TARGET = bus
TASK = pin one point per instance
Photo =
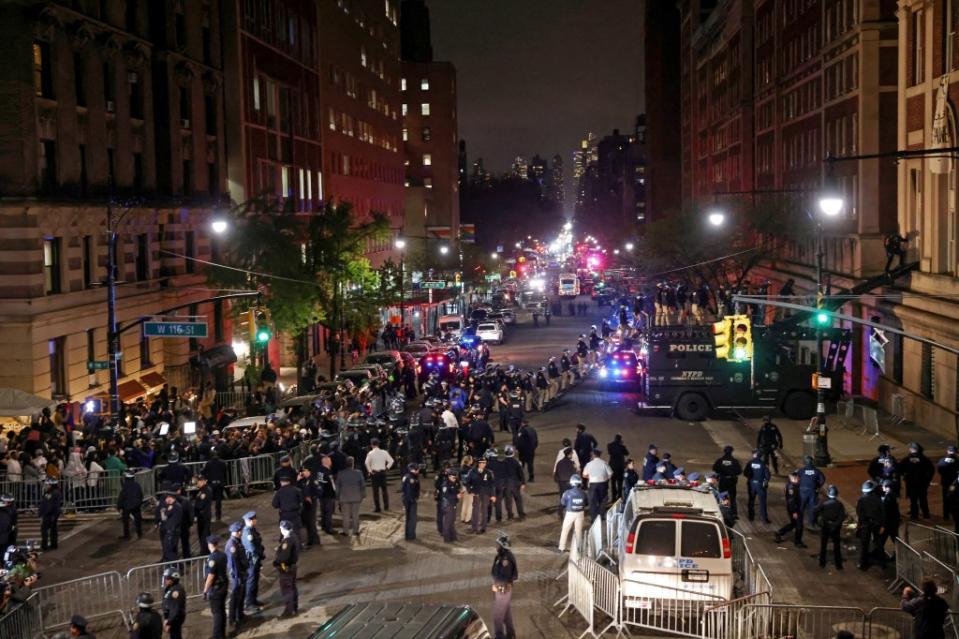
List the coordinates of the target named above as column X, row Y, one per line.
column 568, row 285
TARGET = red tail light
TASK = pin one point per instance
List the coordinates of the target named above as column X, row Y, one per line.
column 727, row 548
column 630, row 540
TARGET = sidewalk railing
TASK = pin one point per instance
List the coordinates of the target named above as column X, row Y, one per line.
column 23, row 621
column 672, row 610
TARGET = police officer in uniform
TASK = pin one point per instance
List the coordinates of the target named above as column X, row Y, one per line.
column 175, row 473
column 515, row 485
column 215, row 471
column 174, row 603
column 410, row 486
column 757, row 484
column 574, row 502
column 729, row 469
column 891, row 515
column 203, row 508
column 169, row 517
column 238, row 566
column 481, row 485
column 515, row 411
column 948, row 468
column 918, row 472
column 504, row 573
column 497, row 466
column 187, row 521
column 148, row 624
column 253, row 545
column 449, row 495
column 311, row 498
column 49, row 509
column 326, row 484
column 811, row 480
column 870, row 514
column 831, row 514
column 287, row 554
column 794, row 509
column 215, row 587
column 288, row 500
column 768, row 440
column 285, row 470
column 128, row 503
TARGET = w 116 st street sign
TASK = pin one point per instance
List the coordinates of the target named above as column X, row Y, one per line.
column 174, row 329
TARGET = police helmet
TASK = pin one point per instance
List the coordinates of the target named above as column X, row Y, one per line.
column 888, row 483
column 129, row 474
column 144, row 600
column 171, row 573
column 808, row 460
column 832, row 492
column 915, row 446
column 412, row 468
column 950, row 450
column 711, row 475
column 868, row 486
column 509, row 450
column 490, row 453
column 286, row 525
column 502, row 540
column 767, row 419
column 794, row 473
column 174, row 457
column 575, row 480
column 6, row 499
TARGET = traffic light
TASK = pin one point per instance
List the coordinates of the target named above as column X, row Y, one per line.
column 742, row 338
column 262, row 326
column 822, row 316
column 721, row 337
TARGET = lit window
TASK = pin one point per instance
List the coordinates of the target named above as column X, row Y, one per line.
column 302, row 183
column 427, row 159
column 363, row 56
column 405, row 135
column 402, row 84
column 405, row 109
column 309, row 185
column 319, row 186
column 406, row 182
column 425, row 108
column 424, row 85
column 428, row 182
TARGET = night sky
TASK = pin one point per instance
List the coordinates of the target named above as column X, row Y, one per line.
column 535, row 75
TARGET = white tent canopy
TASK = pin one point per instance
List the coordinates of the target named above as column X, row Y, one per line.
column 17, row 403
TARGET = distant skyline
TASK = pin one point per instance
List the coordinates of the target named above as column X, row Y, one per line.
column 535, row 76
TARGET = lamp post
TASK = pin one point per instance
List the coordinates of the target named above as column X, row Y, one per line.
column 830, row 205
column 400, row 244
column 113, row 338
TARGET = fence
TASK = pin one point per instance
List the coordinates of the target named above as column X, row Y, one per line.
column 908, row 566
column 941, row 543
column 761, row 621
column 23, row 621
column 150, row 578
column 677, row 611
column 744, row 564
column 96, row 596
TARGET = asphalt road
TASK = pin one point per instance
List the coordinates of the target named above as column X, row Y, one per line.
column 381, row 566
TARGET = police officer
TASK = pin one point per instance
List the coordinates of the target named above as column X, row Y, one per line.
column 768, row 440
column 891, row 515
column 325, row 483
column 952, row 504
column 497, row 466
column 168, row 519
column 255, row 553
column 8, row 521
column 515, row 485
column 238, row 566
column 918, row 472
column 203, row 507
column 729, row 469
column 175, row 473
column 757, row 485
column 869, row 512
column 311, row 498
column 215, row 471
column 811, row 480
column 288, row 500
column 515, row 411
column 794, row 510
column 650, row 462
column 49, row 509
column 574, row 502
column 148, row 624
column 174, row 603
column 285, row 470
column 948, row 468
column 481, row 485
column 504, row 573
column 831, row 514
column 287, row 554
column 187, row 520
column 215, row 586
column 502, row 405
column 129, row 502
column 449, row 496
column 410, row 486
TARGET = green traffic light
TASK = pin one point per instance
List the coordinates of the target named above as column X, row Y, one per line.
column 263, row 335
column 739, row 353
column 822, row 318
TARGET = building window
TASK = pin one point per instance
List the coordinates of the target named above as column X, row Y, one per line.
column 897, row 358
column 132, row 15
column 51, row 265
column 184, row 108
column 402, row 84
column 143, row 257
column 256, row 93
column 136, row 95
column 428, row 182
column 319, row 186
column 48, row 166
column 109, row 94
column 209, row 111
column 189, row 240
column 84, row 179
column 424, row 85
column 404, row 109
column 918, row 58
column 138, row 175
column 363, row 60
column 187, row 177
column 286, row 184
column 145, row 361
column 309, row 185
column 927, row 380
column 427, row 159
column 79, row 80
column 42, row 72
column 425, row 108
column 427, row 134
column 56, row 348
column 180, row 26
column 207, row 45
column 948, row 37
column 88, row 257
column 111, row 166
column 212, row 178
column 405, row 134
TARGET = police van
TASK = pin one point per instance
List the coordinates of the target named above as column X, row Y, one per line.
column 672, row 544
column 378, row 620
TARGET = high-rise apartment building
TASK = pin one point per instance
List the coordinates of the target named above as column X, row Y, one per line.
column 520, row 168
column 556, row 182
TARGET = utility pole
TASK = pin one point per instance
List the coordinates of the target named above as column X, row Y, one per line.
column 822, row 441
column 113, row 337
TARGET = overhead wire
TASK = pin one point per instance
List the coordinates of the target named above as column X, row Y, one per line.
column 240, row 270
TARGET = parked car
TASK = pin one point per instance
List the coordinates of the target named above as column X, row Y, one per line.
column 387, row 359
column 418, row 349
column 359, row 376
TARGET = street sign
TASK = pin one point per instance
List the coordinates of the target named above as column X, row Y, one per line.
column 98, row 365
column 493, row 277
column 432, row 284
column 821, row 382
column 174, row 329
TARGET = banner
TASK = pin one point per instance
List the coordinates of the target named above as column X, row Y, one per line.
column 468, row 233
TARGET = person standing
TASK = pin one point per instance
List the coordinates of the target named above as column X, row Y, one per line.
column 563, row 472
column 411, row 495
column 618, row 453
column 215, row 471
column 729, row 469
column 129, row 502
column 597, row 472
column 449, row 495
column 929, row 611
column 285, row 559
column 831, row 513
column 892, row 518
column 527, row 441
column 288, row 501
column 893, row 243
column 215, row 586
column 238, row 566
column 169, row 516
column 481, row 485
column 49, row 509
column 573, row 504
column 311, row 497
column 187, row 520
column 255, row 554
column 918, row 472
column 794, row 510
column 583, row 445
column 504, row 574
column 869, row 512
column 378, row 461
column 757, row 485
column 147, row 624
column 769, row 439
column 811, row 480
column 203, row 508
column 512, row 471
column 351, row 490
column 948, row 468
column 174, row 604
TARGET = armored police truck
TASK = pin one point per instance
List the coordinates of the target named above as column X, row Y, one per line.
column 681, row 371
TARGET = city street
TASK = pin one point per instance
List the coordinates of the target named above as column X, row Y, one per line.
column 380, row 565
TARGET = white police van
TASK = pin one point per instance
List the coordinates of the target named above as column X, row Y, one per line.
column 671, row 543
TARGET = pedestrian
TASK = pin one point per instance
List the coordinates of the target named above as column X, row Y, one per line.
column 186, row 521
column 563, row 472
column 948, row 468
column 215, row 586
column 875, row 467
column 351, row 490
column 169, row 516
column 597, row 472
column 650, row 461
column 78, row 628
column 584, row 445
column 378, row 461
column 526, row 443
column 918, row 472
column 574, row 502
column 449, row 495
column 466, row 507
column 512, row 469
column 285, row 559
column 811, row 480
column 617, row 463
column 794, row 510
column 769, row 439
column 891, row 516
column 869, row 513
column 411, row 495
column 929, row 611
column 129, row 502
column 203, row 507
column 238, row 567
column 729, row 469
column 49, row 509
column 504, row 574
column 481, row 486
column 757, row 485
column 561, row 453
column 831, row 514
column 147, row 624
column 174, row 603
column 255, row 554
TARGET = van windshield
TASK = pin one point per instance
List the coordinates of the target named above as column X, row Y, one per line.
column 657, row 538
column 454, row 325
column 700, row 539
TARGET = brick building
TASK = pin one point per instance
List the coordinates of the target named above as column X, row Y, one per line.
column 105, row 100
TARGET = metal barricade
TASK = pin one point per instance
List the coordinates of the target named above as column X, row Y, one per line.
column 257, row 470
column 150, row 578
column 673, row 610
column 613, row 519
column 606, row 592
column 720, row 621
column 945, row 578
column 147, row 484
column 760, row 621
column 95, row 596
column 745, row 565
column 889, row 623
column 941, row 543
column 594, row 541
column 26, row 493
column 580, row 596
column 23, row 621
column 908, row 566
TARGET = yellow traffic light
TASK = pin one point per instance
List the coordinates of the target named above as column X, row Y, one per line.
column 721, row 337
column 742, row 338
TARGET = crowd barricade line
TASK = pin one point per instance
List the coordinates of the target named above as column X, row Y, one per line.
column 666, row 608
column 941, row 543
column 95, row 596
column 149, row 578
column 720, row 621
column 760, row 621
column 23, row 621
column 888, row 623
column 945, row 578
column 908, row 566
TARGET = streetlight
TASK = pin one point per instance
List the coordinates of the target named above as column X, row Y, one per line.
column 568, row 226
column 400, row 243
column 444, row 250
column 494, row 256
column 615, row 251
column 830, row 204
column 716, row 218
column 630, row 246
column 219, row 226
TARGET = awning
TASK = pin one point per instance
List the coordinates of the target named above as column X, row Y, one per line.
column 219, row 356
column 131, row 390
column 17, row 403
column 153, row 381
